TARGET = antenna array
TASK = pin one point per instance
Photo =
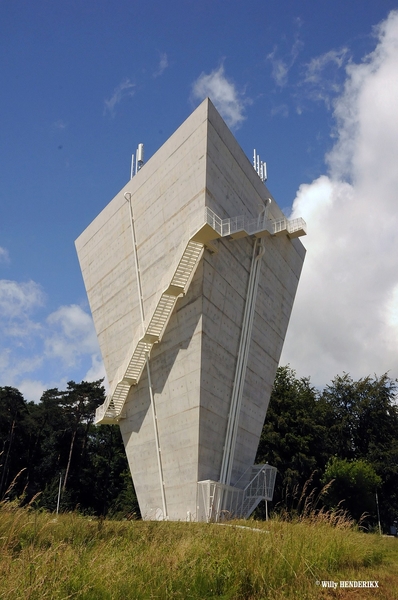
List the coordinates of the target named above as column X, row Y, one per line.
column 137, row 160
column 259, row 166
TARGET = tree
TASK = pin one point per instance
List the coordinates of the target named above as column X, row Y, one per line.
column 294, row 436
column 362, row 424
column 350, row 420
column 352, row 486
column 359, row 412
column 92, row 459
column 79, row 402
column 14, row 438
column 57, row 436
column 105, row 482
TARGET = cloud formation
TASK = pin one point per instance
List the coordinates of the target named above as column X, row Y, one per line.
column 317, row 66
column 323, row 75
column 18, row 299
column 71, row 334
column 124, row 90
column 345, row 317
column 31, row 346
column 280, row 66
column 163, row 64
column 280, row 69
column 4, row 256
column 224, row 95
column 60, row 125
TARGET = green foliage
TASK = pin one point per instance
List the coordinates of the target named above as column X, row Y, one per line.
column 350, row 420
column 56, row 440
column 354, row 421
column 294, row 436
column 352, row 485
column 15, row 437
column 362, row 415
column 362, row 423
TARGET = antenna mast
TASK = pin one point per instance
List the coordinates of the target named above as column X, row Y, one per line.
column 259, row 166
column 137, row 161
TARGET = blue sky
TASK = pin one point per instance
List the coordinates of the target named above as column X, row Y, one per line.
column 311, row 85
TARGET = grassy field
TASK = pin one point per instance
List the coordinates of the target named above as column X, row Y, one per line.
column 70, row 556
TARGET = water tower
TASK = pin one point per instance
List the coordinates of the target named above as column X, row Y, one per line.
column 191, row 272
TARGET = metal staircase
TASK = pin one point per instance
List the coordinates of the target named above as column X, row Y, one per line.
column 217, row 501
column 210, row 228
column 260, row 487
column 110, row 411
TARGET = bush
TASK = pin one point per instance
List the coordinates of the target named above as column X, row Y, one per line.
column 353, row 485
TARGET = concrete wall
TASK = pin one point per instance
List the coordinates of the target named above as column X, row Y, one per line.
column 193, row 367
column 168, row 196
column 234, row 188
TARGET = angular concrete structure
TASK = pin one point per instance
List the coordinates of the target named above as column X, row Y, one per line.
column 191, row 272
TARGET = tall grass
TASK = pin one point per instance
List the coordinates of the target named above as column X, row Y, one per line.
column 70, row 556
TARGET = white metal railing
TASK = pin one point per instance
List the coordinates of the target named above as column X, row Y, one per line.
column 230, row 226
column 217, row 501
column 261, row 224
column 260, row 487
column 130, row 371
column 297, row 226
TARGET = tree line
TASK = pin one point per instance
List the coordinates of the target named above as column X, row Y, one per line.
column 51, row 451
column 343, row 438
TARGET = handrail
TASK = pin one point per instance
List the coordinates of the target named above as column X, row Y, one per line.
column 217, row 501
column 210, row 228
column 130, row 372
column 252, row 226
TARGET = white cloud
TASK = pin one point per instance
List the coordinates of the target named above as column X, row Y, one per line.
column 163, row 64
column 323, row 76
column 281, row 67
column 4, row 359
column 96, row 371
column 32, row 390
column 317, row 66
column 224, row 95
column 71, row 334
column 281, row 109
column 60, row 125
column 38, row 354
column 346, row 312
column 124, row 90
column 4, row 256
column 18, row 299
column 18, row 330
column 19, row 364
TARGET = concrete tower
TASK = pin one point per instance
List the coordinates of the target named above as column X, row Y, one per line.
column 191, row 272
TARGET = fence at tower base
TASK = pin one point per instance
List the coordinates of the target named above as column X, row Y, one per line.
column 220, row 502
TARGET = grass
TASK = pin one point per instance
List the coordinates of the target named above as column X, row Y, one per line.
column 70, row 556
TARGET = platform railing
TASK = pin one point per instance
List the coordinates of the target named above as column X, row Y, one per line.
column 131, row 369
column 219, row 502
column 252, row 226
column 130, row 372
